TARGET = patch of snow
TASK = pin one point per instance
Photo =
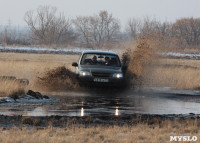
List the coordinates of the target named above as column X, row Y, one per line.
column 72, row 49
column 186, row 92
column 165, row 88
column 75, row 49
column 180, row 55
column 172, row 91
column 39, row 111
column 26, row 99
column 79, row 50
column 6, row 99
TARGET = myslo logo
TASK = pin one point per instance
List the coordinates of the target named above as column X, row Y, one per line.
column 183, row 138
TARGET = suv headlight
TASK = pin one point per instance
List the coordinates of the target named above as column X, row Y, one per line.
column 84, row 73
column 118, row 75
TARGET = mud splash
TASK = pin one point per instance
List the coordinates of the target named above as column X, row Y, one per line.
column 135, row 63
column 139, row 60
column 57, row 79
column 63, row 79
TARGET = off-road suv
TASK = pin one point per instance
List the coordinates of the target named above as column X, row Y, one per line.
column 99, row 68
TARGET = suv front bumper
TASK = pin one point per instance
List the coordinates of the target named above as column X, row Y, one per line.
column 90, row 80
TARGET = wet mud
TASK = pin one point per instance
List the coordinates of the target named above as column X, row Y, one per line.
column 66, row 121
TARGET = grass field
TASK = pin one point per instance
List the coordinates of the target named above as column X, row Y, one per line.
column 139, row 133
column 30, row 66
column 175, row 73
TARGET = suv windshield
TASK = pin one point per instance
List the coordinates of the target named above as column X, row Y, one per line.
column 100, row 59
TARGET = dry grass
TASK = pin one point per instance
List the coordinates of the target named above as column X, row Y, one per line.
column 12, row 88
column 176, row 73
column 140, row 133
column 30, row 66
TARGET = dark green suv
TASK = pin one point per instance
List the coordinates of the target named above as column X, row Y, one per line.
column 99, row 67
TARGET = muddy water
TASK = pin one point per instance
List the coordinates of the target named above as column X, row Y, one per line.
column 107, row 103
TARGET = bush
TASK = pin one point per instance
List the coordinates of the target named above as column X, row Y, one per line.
column 37, row 122
column 27, row 120
column 17, row 94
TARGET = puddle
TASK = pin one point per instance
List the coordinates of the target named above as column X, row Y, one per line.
column 107, row 104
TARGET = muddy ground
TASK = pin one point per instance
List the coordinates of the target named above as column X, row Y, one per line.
column 86, row 108
column 64, row 121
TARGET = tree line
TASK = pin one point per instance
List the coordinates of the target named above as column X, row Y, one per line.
column 46, row 26
column 184, row 32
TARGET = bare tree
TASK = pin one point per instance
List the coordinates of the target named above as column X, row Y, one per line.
column 150, row 26
column 47, row 26
column 134, row 27
column 188, row 31
column 111, row 25
column 97, row 30
column 82, row 27
column 9, row 35
column 146, row 26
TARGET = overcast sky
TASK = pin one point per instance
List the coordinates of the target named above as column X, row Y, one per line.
column 169, row 10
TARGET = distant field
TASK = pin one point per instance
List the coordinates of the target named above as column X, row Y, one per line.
column 177, row 73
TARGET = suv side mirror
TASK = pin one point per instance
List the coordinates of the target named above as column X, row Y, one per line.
column 74, row 64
